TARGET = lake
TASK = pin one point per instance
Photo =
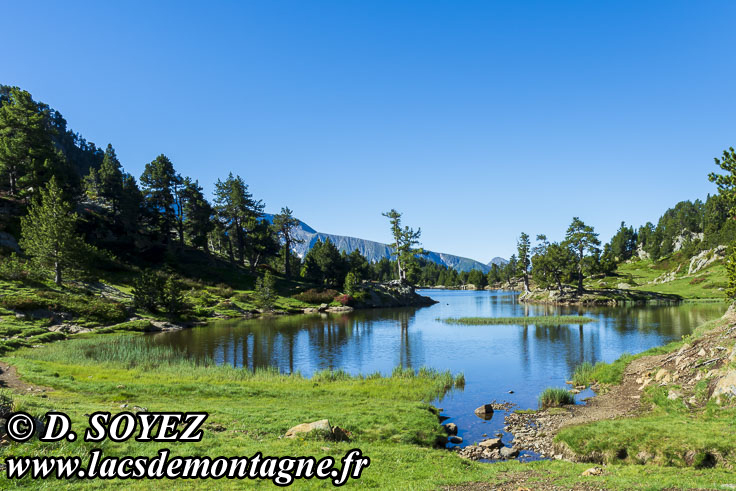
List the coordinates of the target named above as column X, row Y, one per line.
column 494, row 359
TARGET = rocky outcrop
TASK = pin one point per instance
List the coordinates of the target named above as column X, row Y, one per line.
column 684, row 238
column 706, row 258
column 725, row 388
column 607, row 296
column 392, row 294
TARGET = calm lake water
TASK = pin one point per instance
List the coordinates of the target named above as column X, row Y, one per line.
column 494, row 359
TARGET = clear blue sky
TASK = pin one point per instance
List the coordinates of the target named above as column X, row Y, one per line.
column 477, row 120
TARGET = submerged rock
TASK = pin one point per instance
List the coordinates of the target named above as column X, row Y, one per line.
column 485, row 411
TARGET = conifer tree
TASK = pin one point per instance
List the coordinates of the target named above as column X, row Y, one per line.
column 48, row 231
column 285, row 223
column 582, row 240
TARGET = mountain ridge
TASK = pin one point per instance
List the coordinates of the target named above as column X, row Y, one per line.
column 375, row 251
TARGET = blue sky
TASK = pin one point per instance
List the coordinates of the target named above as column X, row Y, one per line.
column 477, row 120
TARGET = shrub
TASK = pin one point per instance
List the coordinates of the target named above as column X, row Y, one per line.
column 351, row 282
column 147, row 290
column 171, row 298
column 152, row 292
column 265, row 293
column 555, row 397
column 13, row 268
column 697, row 280
column 223, row 290
column 314, row 295
column 344, row 299
column 243, row 298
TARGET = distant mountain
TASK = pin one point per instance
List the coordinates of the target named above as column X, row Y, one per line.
column 374, row 251
column 498, row 261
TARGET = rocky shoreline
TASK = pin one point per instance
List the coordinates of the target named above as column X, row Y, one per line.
column 709, row 358
column 602, row 297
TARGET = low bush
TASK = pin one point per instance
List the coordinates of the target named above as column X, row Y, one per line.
column 345, row 300
column 222, row 290
column 14, row 268
column 314, row 295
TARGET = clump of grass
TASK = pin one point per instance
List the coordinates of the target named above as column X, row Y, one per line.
column 555, row 397
column 582, row 373
column 544, row 320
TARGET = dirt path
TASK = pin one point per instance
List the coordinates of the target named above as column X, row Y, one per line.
column 9, row 379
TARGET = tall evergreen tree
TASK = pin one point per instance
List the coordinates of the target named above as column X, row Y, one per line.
column 158, row 180
column 285, row 223
column 583, row 241
column 111, row 178
column 237, row 210
column 726, row 182
column 403, row 246
column 523, row 247
column 25, row 141
column 48, row 231
column 197, row 214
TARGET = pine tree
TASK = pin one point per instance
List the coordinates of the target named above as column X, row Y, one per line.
column 48, row 231
column 158, row 181
column 285, row 223
column 581, row 239
column 237, row 210
column 403, row 246
column 111, row 178
column 197, row 214
column 26, row 148
column 523, row 246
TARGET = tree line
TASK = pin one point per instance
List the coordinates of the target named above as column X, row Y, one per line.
column 57, row 173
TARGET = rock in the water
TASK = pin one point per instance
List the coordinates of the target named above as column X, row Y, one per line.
column 491, row 443
column 485, row 411
column 509, row 452
column 725, row 387
column 455, row 439
column 451, row 428
column 322, row 425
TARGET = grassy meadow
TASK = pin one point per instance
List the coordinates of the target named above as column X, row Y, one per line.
column 390, row 418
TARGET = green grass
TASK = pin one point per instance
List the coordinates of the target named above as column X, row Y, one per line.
column 390, row 419
column 555, row 397
column 705, row 284
column 613, row 373
column 544, row 320
column 582, row 374
column 669, row 435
